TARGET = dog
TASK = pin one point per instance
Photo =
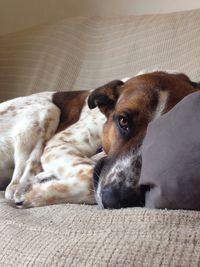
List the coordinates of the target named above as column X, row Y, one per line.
column 129, row 108
column 50, row 139
column 47, row 141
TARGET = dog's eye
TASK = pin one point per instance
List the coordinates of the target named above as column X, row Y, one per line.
column 123, row 122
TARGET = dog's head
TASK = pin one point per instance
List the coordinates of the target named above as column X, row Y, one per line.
column 129, row 107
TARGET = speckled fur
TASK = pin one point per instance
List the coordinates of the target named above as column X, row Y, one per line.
column 49, row 168
column 67, row 164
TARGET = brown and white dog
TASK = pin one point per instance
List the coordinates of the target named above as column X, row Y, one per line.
column 49, row 139
column 129, row 107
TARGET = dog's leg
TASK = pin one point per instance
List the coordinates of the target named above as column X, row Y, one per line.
column 33, row 164
column 73, row 188
column 62, row 184
column 21, row 155
column 29, row 146
column 27, row 164
column 67, row 178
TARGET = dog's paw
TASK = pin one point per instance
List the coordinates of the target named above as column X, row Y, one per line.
column 33, row 197
column 10, row 191
column 21, row 190
column 30, row 194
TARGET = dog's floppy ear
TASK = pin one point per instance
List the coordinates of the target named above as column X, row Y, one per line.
column 105, row 96
column 185, row 78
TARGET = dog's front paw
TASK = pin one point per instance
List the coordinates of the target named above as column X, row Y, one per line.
column 20, row 193
column 29, row 195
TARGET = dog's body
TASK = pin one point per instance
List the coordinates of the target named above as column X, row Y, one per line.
column 63, row 171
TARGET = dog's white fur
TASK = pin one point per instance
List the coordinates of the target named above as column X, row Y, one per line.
column 26, row 125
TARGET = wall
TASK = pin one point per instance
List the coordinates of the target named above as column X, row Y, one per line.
column 20, row 14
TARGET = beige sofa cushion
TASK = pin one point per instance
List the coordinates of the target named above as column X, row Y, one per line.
column 82, row 53
column 80, row 235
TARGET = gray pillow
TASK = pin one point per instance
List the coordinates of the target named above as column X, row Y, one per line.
column 171, row 158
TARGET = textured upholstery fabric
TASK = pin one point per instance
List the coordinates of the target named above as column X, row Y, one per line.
column 80, row 235
column 81, row 53
column 171, row 157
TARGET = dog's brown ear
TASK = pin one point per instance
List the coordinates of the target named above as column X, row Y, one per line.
column 105, row 96
column 185, row 78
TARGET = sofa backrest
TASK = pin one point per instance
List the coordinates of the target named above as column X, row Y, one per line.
column 85, row 52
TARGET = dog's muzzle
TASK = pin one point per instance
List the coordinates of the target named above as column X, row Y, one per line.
column 116, row 190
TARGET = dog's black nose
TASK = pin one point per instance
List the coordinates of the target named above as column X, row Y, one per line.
column 116, row 197
column 110, row 198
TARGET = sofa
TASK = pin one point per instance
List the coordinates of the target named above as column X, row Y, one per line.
column 83, row 53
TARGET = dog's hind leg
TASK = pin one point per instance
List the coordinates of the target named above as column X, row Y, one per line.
column 28, row 148
column 21, row 155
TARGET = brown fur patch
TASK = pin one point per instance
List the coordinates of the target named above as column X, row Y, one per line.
column 82, row 161
column 10, row 108
column 3, row 112
column 85, row 175
column 61, row 170
column 70, row 104
column 86, row 140
column 60, row 188
column 49, row 148
column 75, row 153
column 36, row 167
column 67, row 134
column 46, row 124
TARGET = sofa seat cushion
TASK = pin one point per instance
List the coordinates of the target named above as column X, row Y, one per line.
column 81, row 235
